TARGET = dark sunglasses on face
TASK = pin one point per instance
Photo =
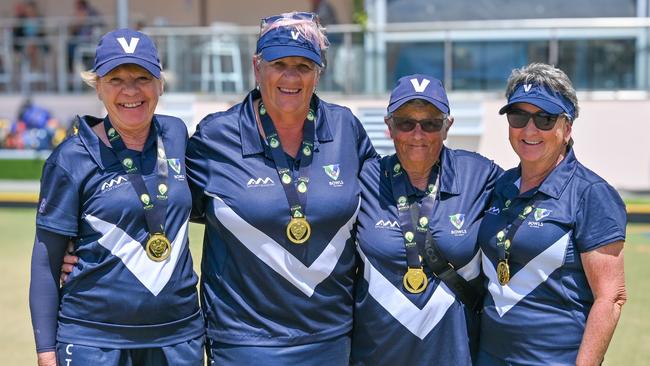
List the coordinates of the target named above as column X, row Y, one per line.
column 406, row 124
column 542, row 120
column 300, row 15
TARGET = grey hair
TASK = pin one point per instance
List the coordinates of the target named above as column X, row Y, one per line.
column 547, row 75
column 90, row 78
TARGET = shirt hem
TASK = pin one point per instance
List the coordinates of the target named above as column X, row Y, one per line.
column 222, row 336
column 119, row 336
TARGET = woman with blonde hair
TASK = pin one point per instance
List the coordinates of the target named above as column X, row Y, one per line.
column 275, row 179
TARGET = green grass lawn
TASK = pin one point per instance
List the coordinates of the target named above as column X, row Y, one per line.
column 629, row 346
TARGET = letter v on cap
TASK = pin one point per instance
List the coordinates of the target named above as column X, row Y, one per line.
column 420, row 86
column 129, row 47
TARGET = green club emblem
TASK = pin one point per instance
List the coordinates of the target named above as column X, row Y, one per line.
column 527, row 210
column 128, row 163
column 507, row 204
column 145, row 199
column 310, row 115
column 397, row 168
column 262, row 110
column 501, row 235
column 306, row 151
column 409, row 236
column 302, row 187
column 286, row 178
column 111, row 133
column 506, row 244
column 401, row 201
column 424, row 221
column 273, row 142
column 162, row 188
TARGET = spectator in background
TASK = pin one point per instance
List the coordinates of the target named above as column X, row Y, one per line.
column 29, row 33
column 34, row 128
column 85, row 24
column 326, row 12
column 327, row 16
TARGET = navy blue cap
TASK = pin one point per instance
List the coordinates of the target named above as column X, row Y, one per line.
column 418, row 86
column 126, row 46
column 287, row 41
column 541, row 96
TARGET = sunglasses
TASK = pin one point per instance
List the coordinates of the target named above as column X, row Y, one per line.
column 542, row 120
column 299, row 15
column 406, row 124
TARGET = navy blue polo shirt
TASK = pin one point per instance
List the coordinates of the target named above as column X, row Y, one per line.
column 117, row 297
column 258, row 287
column 391, row 325
column 539, row 316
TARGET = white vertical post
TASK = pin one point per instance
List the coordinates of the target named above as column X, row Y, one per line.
column 122, row 13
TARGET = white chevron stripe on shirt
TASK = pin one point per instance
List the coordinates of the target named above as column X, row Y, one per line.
column 420, row 322
column 153, row 275
column 305, row 278
column 527, row 278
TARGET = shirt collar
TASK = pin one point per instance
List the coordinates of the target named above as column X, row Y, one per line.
column 448, row 180
column 553, row 185
column 93, row 144
column 89, row 138
column 251, row 140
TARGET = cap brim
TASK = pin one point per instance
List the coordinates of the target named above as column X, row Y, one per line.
column 276, row 52
column 392, row 107
column 543, row 104
column 109, row 65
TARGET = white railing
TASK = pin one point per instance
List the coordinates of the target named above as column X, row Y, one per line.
column 216, row 59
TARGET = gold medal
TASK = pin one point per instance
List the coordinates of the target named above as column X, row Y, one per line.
column 158, row 247
column 298, row 230
column 503, row 272
column 415, row 280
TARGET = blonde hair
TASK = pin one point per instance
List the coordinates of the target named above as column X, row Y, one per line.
column 311, row 29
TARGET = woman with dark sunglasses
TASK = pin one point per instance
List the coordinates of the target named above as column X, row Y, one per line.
column 552, row 239
column 416, row 294
column 275, row 179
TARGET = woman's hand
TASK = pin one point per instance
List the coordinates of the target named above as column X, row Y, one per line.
column 47, row 358
column 69, row 261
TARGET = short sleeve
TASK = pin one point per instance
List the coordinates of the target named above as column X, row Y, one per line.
column 494, row 173
column 601, row 218
column 197, row 173
column 364, row 146
column 58, row 207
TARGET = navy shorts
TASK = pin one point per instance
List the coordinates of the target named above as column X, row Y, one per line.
column 188, row 353
column 331, row 352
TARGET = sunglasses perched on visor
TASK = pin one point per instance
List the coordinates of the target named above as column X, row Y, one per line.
column 406, row 124
column 299, row 15
column 542, row 120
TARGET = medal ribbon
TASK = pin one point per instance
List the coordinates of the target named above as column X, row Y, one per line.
column 155, row 207
column 295, row 191
column 414, row 219
column 505, row 236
